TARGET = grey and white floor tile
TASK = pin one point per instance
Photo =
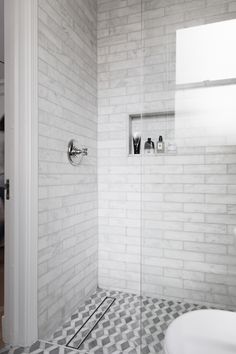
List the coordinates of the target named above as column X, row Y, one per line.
column 132, row 324
column 112, row 322
column 39, row 347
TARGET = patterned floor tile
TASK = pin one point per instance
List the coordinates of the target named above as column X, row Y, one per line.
column 131, row 325
column 40, row 347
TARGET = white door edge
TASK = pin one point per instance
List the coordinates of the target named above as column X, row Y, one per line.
column 21, row 167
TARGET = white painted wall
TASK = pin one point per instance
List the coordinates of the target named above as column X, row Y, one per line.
column 67, row 255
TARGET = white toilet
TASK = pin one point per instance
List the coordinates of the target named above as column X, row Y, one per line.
column 202, row 332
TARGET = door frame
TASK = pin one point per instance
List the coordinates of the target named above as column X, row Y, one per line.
column 21, row 167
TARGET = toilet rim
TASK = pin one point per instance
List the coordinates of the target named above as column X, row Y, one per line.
column 194, row 317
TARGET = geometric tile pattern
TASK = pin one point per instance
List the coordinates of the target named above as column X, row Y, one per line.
column 40, row 347
column 83, row 333
column 131, row 325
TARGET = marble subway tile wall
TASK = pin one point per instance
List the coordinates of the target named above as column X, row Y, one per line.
column 68, row 225
column 119, row 177
column 166, row 221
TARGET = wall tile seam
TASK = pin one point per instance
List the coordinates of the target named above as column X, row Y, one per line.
column 82, row 64
column 65, row 218
column 65, row 90
column 43, row 51
column 43, row 131
column 67, row 99
column 62, row 17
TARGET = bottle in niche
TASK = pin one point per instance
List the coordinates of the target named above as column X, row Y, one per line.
column 149, row 148
column 160, row 145
column 137, row 143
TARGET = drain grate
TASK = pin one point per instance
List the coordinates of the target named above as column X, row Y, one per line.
column 84, row 331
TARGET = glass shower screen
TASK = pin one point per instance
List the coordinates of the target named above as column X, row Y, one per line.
column 188, row 180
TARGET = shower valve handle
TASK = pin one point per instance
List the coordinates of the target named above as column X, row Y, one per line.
column 75, row 154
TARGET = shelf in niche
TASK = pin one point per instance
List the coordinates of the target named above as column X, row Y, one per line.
column 152, row 125
column 161, row 154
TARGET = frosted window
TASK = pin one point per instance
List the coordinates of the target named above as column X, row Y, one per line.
column 206, row 52
column 206, row 116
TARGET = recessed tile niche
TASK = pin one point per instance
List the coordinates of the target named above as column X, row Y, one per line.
column 152, row 125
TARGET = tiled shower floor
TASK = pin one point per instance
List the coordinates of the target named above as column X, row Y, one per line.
column 131, row 324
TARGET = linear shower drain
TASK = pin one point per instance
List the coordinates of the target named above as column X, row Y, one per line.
column 84, row 331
